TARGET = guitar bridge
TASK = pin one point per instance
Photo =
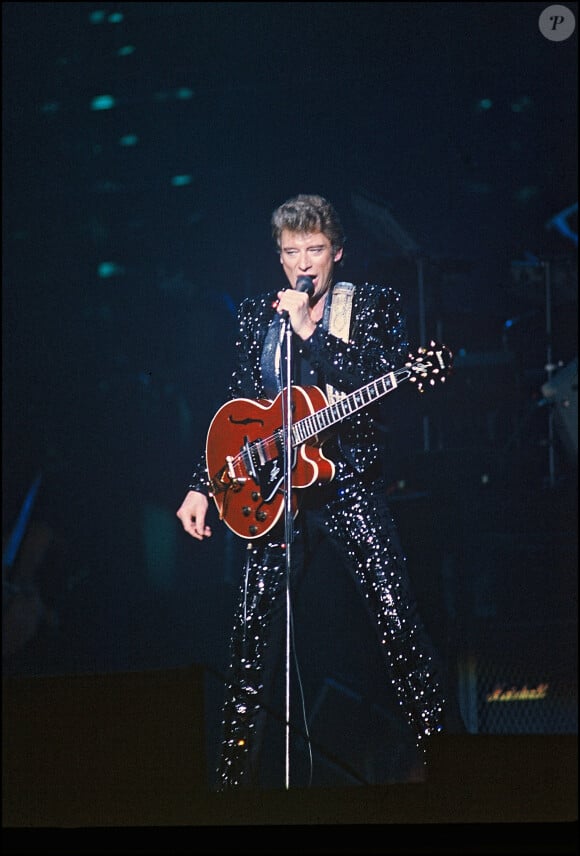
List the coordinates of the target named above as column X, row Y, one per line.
column 226, row 478
column 238, row 481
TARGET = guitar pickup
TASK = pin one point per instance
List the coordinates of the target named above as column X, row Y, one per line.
column 248, row 460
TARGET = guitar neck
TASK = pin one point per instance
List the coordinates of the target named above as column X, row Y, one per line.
column 310, row 426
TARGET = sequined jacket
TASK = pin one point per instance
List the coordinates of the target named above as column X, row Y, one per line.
column 377, row 345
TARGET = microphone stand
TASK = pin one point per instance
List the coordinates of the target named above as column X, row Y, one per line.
column 288, row 519
column 305, row 284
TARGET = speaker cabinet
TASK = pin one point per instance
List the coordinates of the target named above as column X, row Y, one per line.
column 520, row 681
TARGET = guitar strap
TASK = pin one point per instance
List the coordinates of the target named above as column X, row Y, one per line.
column 336, row 320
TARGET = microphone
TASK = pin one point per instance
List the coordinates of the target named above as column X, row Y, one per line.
column 304, row 283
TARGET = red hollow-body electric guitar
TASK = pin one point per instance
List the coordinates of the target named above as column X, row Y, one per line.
column 245, row 442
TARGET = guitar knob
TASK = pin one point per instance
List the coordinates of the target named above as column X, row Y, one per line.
column 246, row 510
column 261, row 515
column 253, row 530
column 255, row 495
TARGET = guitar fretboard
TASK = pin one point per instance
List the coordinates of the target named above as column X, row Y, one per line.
column 312, row 425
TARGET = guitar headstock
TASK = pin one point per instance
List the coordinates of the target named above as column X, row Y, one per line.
column 430, row 366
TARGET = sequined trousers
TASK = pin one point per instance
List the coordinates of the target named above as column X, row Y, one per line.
column 357, row 519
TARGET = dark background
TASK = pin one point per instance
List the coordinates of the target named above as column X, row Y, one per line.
column 131, row 233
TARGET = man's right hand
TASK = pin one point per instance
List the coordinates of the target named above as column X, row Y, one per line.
column 192, row 513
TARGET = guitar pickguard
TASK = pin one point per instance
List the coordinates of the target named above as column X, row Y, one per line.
column 271, row 477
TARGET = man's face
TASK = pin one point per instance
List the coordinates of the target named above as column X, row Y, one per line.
column 308, row 254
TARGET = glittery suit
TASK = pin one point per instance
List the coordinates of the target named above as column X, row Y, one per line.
column 351, row 511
